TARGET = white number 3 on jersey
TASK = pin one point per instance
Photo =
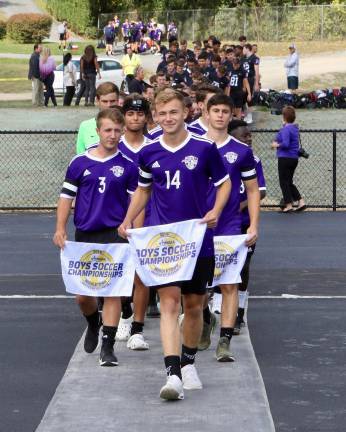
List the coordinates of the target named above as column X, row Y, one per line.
column 175, row 180
column 102, row 184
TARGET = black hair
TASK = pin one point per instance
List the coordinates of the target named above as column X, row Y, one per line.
column 219, row 99
column 67, row 58
column 235, row 124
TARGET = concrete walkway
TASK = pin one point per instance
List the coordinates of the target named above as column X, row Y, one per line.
column 91, row 398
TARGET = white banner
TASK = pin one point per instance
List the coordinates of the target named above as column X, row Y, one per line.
column 230, row 255
column 98, row 270
column 167, row 253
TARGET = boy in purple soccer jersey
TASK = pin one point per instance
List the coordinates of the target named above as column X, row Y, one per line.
column 241, row 132
column 240, row 164
column 100, row 180
column 175, row 170
column 136, row 109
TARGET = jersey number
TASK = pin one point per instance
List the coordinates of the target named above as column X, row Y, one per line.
column 234, row 80
column 175, row 179
column 102, row 184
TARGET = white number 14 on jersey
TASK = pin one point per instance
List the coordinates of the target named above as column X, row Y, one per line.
column 175, row 181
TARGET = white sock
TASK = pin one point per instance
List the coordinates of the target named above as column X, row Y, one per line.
column 243, row 296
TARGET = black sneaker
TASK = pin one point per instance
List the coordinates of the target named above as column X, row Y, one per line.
column 91, row 338
column 237, row 327
column 107, row 357
column 153, row 311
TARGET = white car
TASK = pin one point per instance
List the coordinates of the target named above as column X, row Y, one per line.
column 110, row 70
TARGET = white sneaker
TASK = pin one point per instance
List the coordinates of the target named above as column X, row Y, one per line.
column 191, row 380
column 136, row 342
column 124, row 329
column 248, row 118
column 173, row 389
column 217, row 301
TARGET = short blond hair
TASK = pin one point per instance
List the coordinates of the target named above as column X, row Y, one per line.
column 167, row 95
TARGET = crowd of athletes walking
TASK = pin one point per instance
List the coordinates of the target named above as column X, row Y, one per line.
column 191, row 108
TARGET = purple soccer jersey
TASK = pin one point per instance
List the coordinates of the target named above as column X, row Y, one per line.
column 133, row 154
column 198, row 126
column 129, row 151
column 180, row 178
column 245, row 222
column 101, row 188
column 155, row 133
column 240, row 164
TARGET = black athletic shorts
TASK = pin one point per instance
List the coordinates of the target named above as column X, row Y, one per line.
column 237, row 98
column 105, row 236
column 109, row 41
column 62, row 36
column 202, row 276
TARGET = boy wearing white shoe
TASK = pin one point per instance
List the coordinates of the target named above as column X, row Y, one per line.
column 178, row 191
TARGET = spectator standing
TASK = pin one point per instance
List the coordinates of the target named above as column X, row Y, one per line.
column 137, row 84
column 109, row 34
column 62, row 30
column 70, row 79
column 287, row 151
column 47, row 68
column 292, row 68
column 129, row 63
column 89, row 67
column 34, row 76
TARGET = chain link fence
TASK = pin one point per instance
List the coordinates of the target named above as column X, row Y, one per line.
column 282, row 23
column 33, row 165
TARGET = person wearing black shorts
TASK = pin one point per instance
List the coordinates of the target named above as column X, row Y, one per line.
column 166, row 175
column 251, row 64
column 100, row 181
column 238, row 82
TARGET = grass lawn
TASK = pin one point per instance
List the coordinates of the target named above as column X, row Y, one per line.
column 14, row 68
column 7, row 46
column 328, row 80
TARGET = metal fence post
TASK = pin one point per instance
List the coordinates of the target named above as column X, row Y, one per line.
column 277, row 24
column 322, row 22
column 193, row 24
column 245, row 23
column 334, row 171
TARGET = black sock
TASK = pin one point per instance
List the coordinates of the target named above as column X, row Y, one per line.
column 226, row 332
column 126, row 308
column 136, row 327
column 172, row 364
column 206, row 315
column 187, row 355
column 109, row 333
column 240, row 317
column 152, row 297
column 93, row 319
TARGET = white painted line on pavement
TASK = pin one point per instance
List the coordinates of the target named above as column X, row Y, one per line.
column 33, row 296
column 294, row 297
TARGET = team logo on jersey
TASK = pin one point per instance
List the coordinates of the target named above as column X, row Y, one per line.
column 155, row 165
column 117, row 170
column 166, row 253
column 190, row 162
column 231, row 157
column 86, row 173
column 224, row 256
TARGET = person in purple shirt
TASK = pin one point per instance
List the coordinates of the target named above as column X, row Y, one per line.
column 241, row 132
column 125, row 30
column 100, row 181
column 136, row 110
column 240, row 164
column 287, row 152
column 177, row 168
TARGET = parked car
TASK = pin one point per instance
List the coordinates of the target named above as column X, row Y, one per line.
column 110, row 70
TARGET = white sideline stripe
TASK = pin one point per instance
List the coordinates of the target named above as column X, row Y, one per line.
column 28, row 274
column 33, row 296
column 282, row 296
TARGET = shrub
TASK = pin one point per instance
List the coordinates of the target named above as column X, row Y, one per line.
column 92, row 33
column 29, row 28
column 3, row 25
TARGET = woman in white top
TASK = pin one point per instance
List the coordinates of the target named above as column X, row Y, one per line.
column 70, row 79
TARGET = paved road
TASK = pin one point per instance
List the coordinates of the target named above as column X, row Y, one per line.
column 299, row 343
